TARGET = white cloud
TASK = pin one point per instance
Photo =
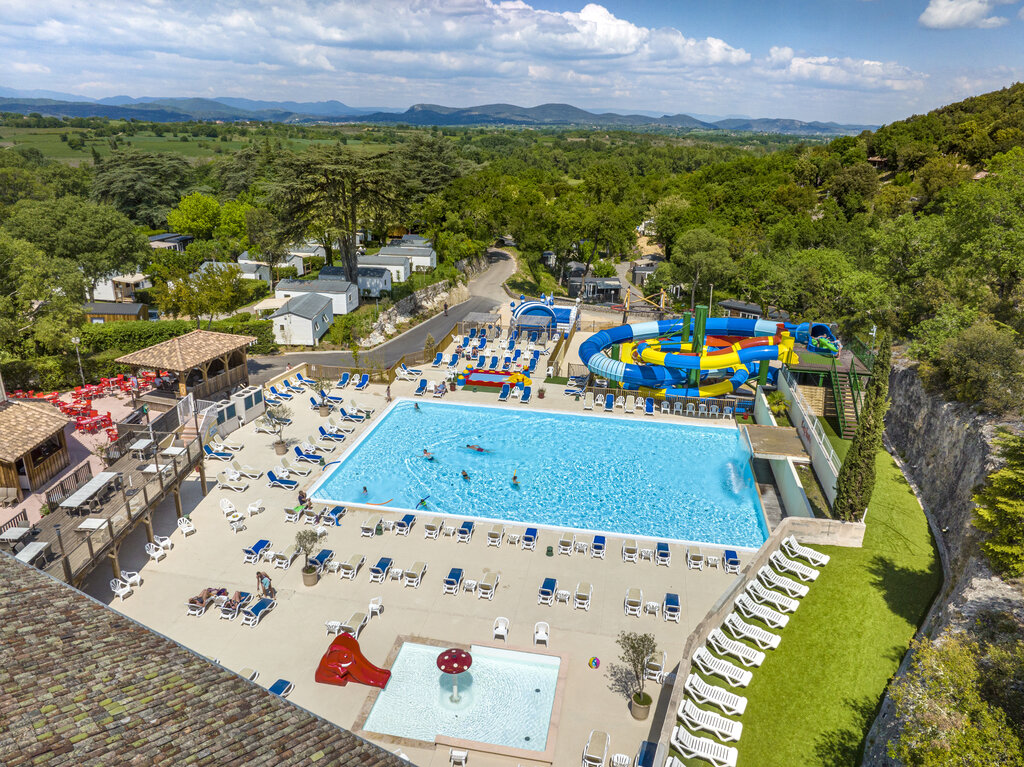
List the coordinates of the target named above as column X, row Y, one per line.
column 831, row 72
column 954, row 14
column 28, row 67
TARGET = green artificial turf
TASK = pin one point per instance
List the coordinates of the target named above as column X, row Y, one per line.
column 813, row 699
column 840, row 445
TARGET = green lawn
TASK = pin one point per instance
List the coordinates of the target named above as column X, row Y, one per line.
column 522, row 282
column 840, row 445
column 814, row 697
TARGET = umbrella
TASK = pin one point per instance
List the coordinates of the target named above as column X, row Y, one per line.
column 454, row 662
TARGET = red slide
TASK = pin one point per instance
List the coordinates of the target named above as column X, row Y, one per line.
column 344, row 661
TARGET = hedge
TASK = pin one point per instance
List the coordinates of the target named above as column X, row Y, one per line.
column 102, row 344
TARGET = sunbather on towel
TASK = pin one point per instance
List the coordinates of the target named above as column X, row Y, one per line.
column 206, row 594
column 232, row 603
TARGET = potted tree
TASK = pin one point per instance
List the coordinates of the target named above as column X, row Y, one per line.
column 636, row 649
column 277, row 417
column 322, row 385
column 541, row 392
column 306, row 541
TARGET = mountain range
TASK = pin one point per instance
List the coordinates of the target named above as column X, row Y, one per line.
column 164, row 109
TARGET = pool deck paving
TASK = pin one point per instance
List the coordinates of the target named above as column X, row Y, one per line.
column 290, row 640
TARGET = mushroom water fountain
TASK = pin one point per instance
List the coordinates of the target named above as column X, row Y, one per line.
column 454, row 662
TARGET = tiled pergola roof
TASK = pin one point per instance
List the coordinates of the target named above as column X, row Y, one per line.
column 186, row 352
column 82, row 685
column 26, row 425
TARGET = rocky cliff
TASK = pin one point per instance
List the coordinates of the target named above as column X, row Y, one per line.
column 947, row 452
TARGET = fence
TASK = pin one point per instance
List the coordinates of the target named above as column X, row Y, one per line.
column 561, row 349
column 68, row 485
column 823, row 456
column 861, row 351
column 19, row 519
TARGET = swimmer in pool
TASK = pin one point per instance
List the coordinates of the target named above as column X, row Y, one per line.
column 464, row 474
column 477, row 448
column 515, row 480
column 428, row 455
column 365, row 492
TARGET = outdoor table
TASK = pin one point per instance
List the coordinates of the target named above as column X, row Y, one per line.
column 396, row 573
column 152, row 468
column 32, row 551
column 562, row 595
column 334, row 565
column 647, row 554
column 448, row 530
column 91, row 525
column 712, row 561
column 173, row 452
column 581, row 546
column 651, row 608
column 84, row 495
column 468, row 585
column 14, row 535
column 388, row 524
column 140, row 447
column 512, row 538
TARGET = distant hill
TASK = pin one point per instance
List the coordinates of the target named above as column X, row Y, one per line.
column 167, row 109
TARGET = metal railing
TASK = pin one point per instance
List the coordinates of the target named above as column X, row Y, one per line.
column 861, row 351
column 68, row 485
column 837, row 396
column 815, row 428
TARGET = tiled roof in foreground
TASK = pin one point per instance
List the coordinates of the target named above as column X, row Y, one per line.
column 82, row 685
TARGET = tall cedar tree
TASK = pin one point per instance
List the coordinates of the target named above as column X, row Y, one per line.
column 856, row 481
column 1000, row 509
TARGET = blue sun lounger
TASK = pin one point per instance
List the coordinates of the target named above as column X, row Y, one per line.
column 472, row 332
column 731, row 561
column 364, row 381
column 307, row 457
column 453, row 362
column 546, row 593
column 289, row 386
column 281, row 688
column 411, row 371
column 380, row 570
column 649, row 406
column 646, row 753
column 609, row 403
column 254, row 552
column 343, row 381
column 529, row 540
column 278, row 394
column 506, row 364
column 516, row 356
column 527, row 393
column 662, row 554
column 421, row 387
column 321, row 559
column 598, row 546
column 253, row 615
column 333, row 436
column 437, row 360
column 404, row 525
column 481, row 361
column 220, row 456
column 335, row 515
column 494, row 363
column 511, row 344
column 331, row 397
column 534, row 336
column 465, row 531
column 305, row 381
column 505, row 391
column 314, row 405
column 450, row 585
column 531, row 367
column 670, row 609
column 274, row 481
column 347, row 416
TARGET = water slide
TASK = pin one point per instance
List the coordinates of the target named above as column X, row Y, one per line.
column 344, row 662
column 665, row 349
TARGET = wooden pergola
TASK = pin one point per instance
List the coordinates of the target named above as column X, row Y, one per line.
column 205, row 361
column 32, row 444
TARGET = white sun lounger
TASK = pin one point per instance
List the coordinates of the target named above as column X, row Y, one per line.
column 588, row 401
column 722, row 645
column 694, row 747
column 782, row 562
column 773, row 580
column 795, row 549
column 765, row 596
column 630, row 407
column 369, row 527
column 694, row 560
column 495, row 535
column 634, row 601
column 654, row 665
column 712, row 695
column 432, row 528
column 740, row 629
column 350, row 567
column 595, row 753
column 630, row 551
column 697, row 718
column 751, row 609
column 488, row 585
column 582, row 596
column 414, row 575
column 565, row 543
column 730, row 672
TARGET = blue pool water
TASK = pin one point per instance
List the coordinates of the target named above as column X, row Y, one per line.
column 630, row 475
column 505, row 698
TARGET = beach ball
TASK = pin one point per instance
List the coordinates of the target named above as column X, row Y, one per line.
column 594, row 662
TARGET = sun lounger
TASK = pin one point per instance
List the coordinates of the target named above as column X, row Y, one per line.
column 364, row 381
column 274, row 481
column 284, row 559
column 414, row 575
column 694, row 747
column 797, row 550
column 246, row 471
column 662, row 554
column 774, row 599
column 369, row 527
column 421, row 387
column 223, row 446
column 314, row 405
column 595, row 753
column 198, row 604
column 332, row 398
column 740, row 629
column 215, row 455
column 493, row 365
column 230, row 609
column 527, row 393
column 289, row 386
column 293, row 468
column 254, row 553
column 333, row 436
column 348, row 416
column 694, row 559
column 495, row 535
column 598, row 547
column 773, row 580
column 280, row 394
column 712, row 695
column 229, row 484
column 721, row 644
column 566, row 542
column 751, row 609
column 730, row 672
column 588, row 401
column 379, row 572
column 350, row 567
column 252, row 615
column 630, row 551
column 343, row 381
column 453, row 362
column 488, row 585
column 404, row 525
column 731, row 561
column 581, row 597
column 437, row 360
column 432, row 528
column 697, row 718
column 546, row 593
column 465, row 532
column 629, row 405
column 505, row 390
column 654, row 665
column 120, row 588
column 633, row 602
column 450, row 585
column 321, row 559
column 313, row 446
column 670, row 609
column 609, row 403
column 783, row 563
column 649, row 406
column 441, row 390
column 355, row 624
column 307, row 457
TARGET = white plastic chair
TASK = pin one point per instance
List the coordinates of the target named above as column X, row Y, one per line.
column 155, row 552
column 163, row 542
column 255, row 507
column 501, row 626
column 541, row 633
column 458, row 758
column 131, row 578
column 227, row 507
column 376, row 606
column 120, row 588
column 186, row 526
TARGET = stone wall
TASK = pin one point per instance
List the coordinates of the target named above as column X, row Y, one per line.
column 428, row 300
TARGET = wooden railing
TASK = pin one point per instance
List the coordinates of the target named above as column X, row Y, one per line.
column 68, row 485
column 19, row 519
column 220, row 381
column 49, row 467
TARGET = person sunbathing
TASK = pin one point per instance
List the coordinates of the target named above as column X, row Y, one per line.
column 234, row 602
column 206, row 595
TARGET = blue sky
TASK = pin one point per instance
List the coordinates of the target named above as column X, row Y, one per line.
column 860, row 61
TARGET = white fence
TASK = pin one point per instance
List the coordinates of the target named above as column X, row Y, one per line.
column 823, row 457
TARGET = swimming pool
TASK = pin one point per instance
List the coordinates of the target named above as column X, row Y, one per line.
column 505, row 698
column 623, row 475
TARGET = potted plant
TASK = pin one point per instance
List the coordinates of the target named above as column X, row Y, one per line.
column 277, row 417
column 322, row 385
column 306, row 541
column 778, row 404
column 541, row 392
column 636, row 649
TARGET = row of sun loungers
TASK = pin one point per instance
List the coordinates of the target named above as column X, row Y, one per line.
column 769, row 597
column 647, row 406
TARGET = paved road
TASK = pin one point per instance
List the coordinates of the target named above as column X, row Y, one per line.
column 485, row 294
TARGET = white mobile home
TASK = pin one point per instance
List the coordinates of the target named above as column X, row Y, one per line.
column 399, row 266
column 343, row 294
column 303, row 320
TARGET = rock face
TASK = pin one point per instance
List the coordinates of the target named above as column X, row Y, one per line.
column 427, row 300
column 947, row 452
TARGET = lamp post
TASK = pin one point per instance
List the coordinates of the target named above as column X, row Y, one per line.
column 76, row 341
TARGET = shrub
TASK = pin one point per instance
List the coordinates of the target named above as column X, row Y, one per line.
column 981, row 364
column 288, row 273
column 1000, row 509
column 636, row 649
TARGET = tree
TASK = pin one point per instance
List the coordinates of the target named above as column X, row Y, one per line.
column 264, row 233
column 999, row 509
column 700, row 256
column 181, row 288
column 981, row 365
column 326, row 192
column 141, row 185
column 197, row 214
column 636, row 649
column 306, row 541
column 97, row 238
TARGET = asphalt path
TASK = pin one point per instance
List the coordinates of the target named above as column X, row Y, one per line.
column 485, row 294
